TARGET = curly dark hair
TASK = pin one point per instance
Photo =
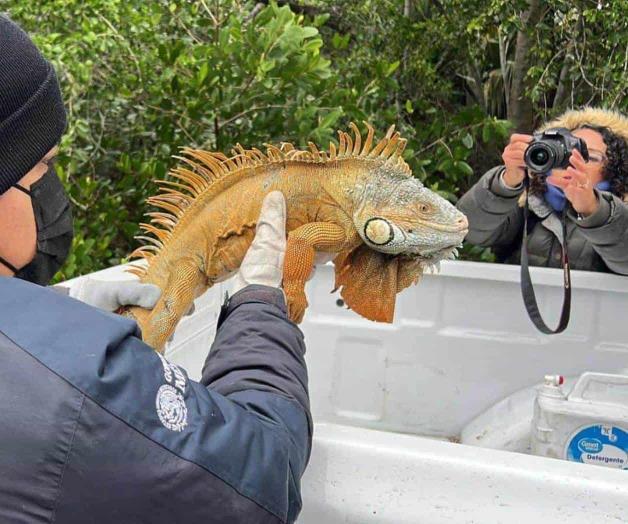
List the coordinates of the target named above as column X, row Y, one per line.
column 615, row 169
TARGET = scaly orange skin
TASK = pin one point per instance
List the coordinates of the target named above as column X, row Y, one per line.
column 218, row 236
column 207, row 229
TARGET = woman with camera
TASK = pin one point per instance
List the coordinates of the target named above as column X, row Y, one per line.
column 590, row 181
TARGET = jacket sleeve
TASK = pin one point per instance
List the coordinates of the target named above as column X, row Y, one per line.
column 257, row 360
column 495, row 218
column 235, row 451
column 607, row 230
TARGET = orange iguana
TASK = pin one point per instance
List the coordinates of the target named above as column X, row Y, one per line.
column 358, row 203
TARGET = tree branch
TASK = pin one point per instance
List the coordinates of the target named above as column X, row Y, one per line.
column 474, row 82
column 407, row 5
column 561, row 89
column 503, row 63
column 255, row 11
column 251, row 110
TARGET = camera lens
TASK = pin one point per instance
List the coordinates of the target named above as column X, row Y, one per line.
column 539, row 157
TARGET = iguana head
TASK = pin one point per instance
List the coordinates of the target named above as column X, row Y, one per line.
column 398, row 215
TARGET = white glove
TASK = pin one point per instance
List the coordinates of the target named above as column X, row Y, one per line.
column 263, row 262
column 110, row 296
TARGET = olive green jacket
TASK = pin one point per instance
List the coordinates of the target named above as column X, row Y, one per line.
column 596, row 243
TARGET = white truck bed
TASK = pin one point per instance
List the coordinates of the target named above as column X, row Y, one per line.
column 390, row 402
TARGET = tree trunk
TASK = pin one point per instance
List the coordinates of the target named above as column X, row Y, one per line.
column 407, row 5
column 562, row 91
column 503, row 63
column 407, row 10
column 520, row 108
column 475, row 85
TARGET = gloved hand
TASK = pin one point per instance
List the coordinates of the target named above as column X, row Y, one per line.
column 110, row 295
column 263, row 262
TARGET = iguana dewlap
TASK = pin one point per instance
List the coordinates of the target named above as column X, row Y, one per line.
column 358, row 203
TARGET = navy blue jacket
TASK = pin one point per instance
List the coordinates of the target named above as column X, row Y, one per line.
column 95, row 427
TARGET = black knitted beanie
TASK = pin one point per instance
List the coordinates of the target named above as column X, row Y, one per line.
column 32, row 116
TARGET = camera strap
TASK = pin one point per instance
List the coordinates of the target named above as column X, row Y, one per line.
column 527, row 290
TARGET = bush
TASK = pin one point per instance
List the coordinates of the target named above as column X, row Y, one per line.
column 142, row 79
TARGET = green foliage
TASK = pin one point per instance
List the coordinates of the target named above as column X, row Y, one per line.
column 142, row 79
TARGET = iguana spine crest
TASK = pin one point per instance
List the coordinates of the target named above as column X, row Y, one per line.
column 207, row 168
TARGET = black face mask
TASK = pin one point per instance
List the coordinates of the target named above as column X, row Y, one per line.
column 53, row 218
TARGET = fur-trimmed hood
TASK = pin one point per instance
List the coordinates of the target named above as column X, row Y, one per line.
column 573, row 119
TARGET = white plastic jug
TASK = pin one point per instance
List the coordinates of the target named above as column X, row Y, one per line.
column 589, row 425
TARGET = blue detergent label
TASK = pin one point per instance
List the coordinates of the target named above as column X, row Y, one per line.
column 602, row 444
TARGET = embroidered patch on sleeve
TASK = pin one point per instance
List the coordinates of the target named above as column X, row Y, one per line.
column 170, row 402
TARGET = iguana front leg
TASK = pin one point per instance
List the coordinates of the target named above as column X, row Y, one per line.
column 301, row 248
column 177, row 298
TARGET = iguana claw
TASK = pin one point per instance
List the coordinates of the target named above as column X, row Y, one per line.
column 296, row 301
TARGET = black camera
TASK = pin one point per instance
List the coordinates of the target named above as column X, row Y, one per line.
column 552, row 148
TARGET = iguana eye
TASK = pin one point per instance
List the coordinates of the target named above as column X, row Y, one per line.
column 424, row 208
column 379, row 231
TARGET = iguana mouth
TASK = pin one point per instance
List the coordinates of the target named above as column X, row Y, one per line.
column 459, row 227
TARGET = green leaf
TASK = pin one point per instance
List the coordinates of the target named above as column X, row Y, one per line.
column 339, row 41
column 202, row 73
column 331, row 119
column 486, row 132
column 320, row 20
column 503, row 128
column 467, row 140
column 309, row 32
column 445, row 166
column 463, row 167
column 267, row 65
column 392, row 67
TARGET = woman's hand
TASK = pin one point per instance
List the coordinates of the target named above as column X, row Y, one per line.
column 576, row 185
column 513, row 159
